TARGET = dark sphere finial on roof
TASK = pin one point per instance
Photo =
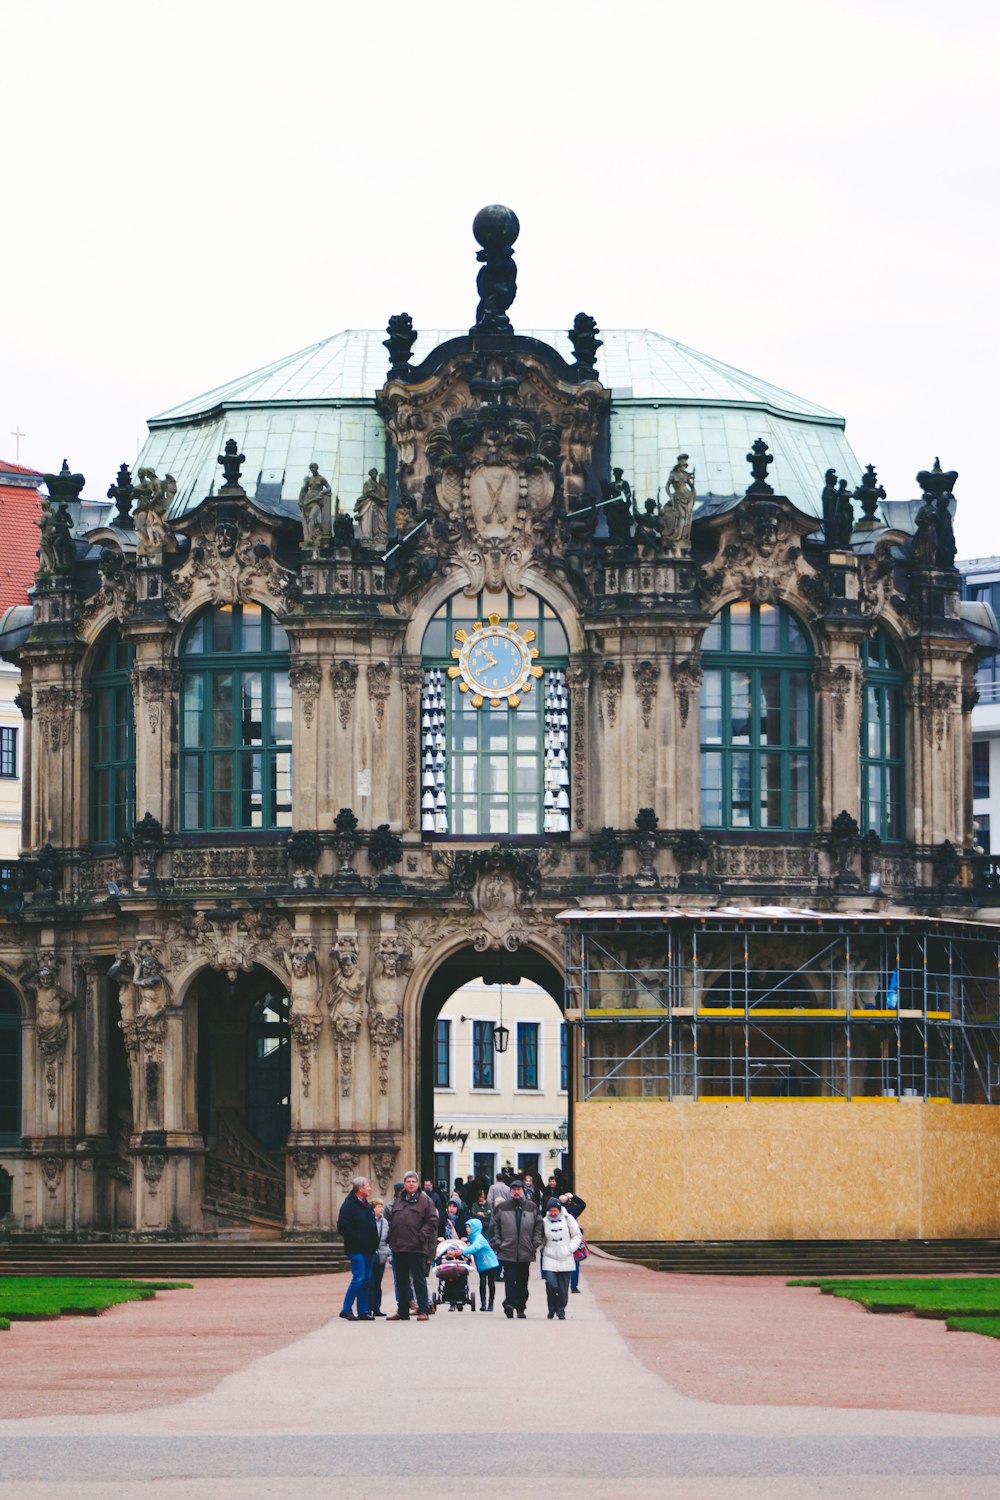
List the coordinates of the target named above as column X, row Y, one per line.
column 496, row 227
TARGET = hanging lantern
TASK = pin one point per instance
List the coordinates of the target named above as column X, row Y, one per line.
column 501, row 1037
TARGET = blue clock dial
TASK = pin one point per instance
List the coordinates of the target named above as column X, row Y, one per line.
column 495, row 663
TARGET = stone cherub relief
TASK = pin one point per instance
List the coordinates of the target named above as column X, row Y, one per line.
column 315, row 497
column 372, row 512
column 390, row 964
column 40, row 978
column 305, row 1017
column 348, row 1007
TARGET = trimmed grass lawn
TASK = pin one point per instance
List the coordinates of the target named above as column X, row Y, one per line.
column 967, row 1304
column 38, row 1297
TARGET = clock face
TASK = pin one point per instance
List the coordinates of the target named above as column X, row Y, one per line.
column 495, row 663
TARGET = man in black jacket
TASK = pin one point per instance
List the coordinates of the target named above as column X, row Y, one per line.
column 516, row 1233
column 357, row 1227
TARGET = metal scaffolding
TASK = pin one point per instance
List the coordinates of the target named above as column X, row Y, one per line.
column 783, row 1004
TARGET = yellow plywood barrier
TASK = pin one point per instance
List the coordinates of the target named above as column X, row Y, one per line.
column 785, row 1169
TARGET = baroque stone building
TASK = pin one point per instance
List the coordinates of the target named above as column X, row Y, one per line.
column 501, row 663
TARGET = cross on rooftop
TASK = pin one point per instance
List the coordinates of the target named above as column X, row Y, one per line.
column 17, row 435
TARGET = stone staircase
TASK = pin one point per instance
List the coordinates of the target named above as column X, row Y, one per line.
column 803, row 1258
column 172, row 1261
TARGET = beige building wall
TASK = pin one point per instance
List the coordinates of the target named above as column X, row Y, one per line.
column 512, row 1124
column 11, row 723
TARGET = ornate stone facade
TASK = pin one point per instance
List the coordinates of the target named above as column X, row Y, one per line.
column 208, row 951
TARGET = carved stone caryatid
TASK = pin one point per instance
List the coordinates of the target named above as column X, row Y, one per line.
column 876, row 574
column 305, row 678
column 122, row 973
column 611, row 677
column 40, row 978
column 157, row 684
column 344, row 676
column 379, row 687
column 152, row 501
column 53, row 714
column 372, row 512
column 305, row 1164
column 678, row 508
column 117, row 591
column 314, row 504
column 647, row 675
column 304, row 1015
column 687, row 674
column 347, row 1006
column 390, row 963
column 153, row 992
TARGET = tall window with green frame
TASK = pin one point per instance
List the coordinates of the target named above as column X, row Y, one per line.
column 882, row 753
column 236, row 721
column 756, row 720
column 495, row 770
column 112, row 741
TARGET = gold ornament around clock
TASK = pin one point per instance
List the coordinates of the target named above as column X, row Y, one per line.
column 495, row 663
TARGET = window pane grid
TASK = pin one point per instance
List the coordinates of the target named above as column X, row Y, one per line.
column 527, row 1054
column 112, row 742
column 236, row 722
column 756, row 721
column 881, row 758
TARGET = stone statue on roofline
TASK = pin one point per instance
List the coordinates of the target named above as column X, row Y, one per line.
column 151, row 503
column 372, row 511
column 314, row 500
column 678, row 507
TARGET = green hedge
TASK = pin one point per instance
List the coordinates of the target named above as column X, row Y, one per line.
column 40, row 1297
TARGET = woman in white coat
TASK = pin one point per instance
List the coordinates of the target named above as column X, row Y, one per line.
column 562, row 1237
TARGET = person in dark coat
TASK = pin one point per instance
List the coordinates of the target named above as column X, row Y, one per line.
column 357, row 1228
column 438, row 1203
column 516, row 1232
column 413, row 1237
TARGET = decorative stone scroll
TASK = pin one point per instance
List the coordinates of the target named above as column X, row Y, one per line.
column 611, row 676
column 379, row 687
column 305, row 677
column 687, row 674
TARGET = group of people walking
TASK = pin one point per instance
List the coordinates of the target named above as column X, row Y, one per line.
column 500, row 1230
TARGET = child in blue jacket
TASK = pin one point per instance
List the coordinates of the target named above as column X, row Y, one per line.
column 487, row 1265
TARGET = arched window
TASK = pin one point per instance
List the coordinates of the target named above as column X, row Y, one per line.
column 236, row 721
column 495, row 769
column 112, row 741
column 756, row 720
column 10, row 1067
column 882, row 740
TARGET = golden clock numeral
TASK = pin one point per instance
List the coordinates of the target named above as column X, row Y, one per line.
column 454, row 672
column 476, row 625
column 461, row 635
column 456, row 653
column 511, row 624
column 494, row 619
column 527, row 686
column 530, row 635
column 463, row 687
column 477, row 700
column 494, row 703
column 513, row 699
column 534, row 651
column 535, row 671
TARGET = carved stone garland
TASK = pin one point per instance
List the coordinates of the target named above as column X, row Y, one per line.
column 344, row 675
column 646, row 674
column 413, row 682
column 687, row 675
column 379, row 687
column 304, row 677
column 611, row 676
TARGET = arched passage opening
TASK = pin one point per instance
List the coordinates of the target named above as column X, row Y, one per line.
column 244, row 1094
column 479, row 1109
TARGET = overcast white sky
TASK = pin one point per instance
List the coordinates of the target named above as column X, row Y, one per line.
column 804, row 189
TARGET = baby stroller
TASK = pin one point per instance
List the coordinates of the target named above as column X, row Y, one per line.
column 452, row 1274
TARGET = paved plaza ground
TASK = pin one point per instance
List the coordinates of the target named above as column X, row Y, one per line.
column 674, row 1387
